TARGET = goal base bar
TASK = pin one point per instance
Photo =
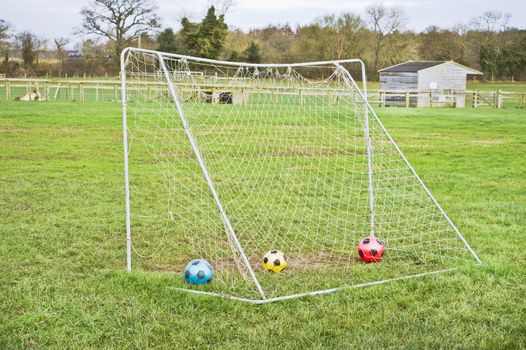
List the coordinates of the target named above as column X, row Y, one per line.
column 319, row 292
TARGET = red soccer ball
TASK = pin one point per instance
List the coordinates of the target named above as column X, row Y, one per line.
column 370, row 249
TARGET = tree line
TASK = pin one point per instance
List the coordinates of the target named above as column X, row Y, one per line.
column 378, row 37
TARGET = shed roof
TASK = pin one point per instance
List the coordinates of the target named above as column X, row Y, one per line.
column 415, row 66
column 411, row 66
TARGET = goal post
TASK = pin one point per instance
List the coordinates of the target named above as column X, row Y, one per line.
column 225, row 161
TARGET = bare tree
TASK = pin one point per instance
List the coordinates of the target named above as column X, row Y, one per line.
column 342, row 35
column 4, row 28
column 183, row 12
column 491, row 21
column 384, row 22
column 60, row 52
column 118, row 20
column 221, row 6
column 489, row 48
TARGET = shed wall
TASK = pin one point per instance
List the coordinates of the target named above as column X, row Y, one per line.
column 447, row 76
column 398, row 81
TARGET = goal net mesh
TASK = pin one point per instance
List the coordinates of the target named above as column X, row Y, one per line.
column 285, row 149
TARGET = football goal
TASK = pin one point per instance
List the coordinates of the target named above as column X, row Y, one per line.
column 226, row 161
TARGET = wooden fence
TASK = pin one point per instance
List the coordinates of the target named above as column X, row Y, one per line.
column 110, row 90
column 61, row 90
column 469, row 98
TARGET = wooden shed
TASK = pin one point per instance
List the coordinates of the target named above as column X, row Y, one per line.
column 431, row 83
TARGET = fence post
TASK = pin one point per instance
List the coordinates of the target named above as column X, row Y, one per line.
column 407, row 99
column 430, row 99
column 7, row 90
column 115, row 95
column 521, row 103
column 46, row 90
column 498, row 99
column 81, row 91
column 475, row 99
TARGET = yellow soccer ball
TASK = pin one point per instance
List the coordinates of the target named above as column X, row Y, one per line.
column 274, row 261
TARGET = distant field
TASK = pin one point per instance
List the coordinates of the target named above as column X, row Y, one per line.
column 62, row 276
column 519, row 86
column 504, row 86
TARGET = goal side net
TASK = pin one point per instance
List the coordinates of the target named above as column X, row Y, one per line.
column 226, row 161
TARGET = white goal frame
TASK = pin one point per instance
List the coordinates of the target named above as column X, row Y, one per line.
column 368, row 113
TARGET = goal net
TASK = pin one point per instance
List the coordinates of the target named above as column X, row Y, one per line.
column 226, row 161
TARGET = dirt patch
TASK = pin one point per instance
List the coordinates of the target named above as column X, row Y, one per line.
column 488, row 142
column 14, row 129
column 294, row 261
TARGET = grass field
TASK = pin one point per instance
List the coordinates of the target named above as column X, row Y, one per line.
column 62, row 278
column 517, row 86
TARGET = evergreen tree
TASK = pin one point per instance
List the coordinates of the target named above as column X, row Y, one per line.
column 167, row 41
column 234, row 56
column 189, row 36
column 205, row 39
column 489, row 60
column 252, row 54
column 30, row 46
column 513, row 59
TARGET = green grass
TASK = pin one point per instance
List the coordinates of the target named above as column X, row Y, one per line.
column 62, row 250
column 517, row 86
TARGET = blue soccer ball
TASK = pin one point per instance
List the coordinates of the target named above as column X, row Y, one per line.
column 198, row 271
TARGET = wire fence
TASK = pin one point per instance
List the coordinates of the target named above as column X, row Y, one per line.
column 110, row 91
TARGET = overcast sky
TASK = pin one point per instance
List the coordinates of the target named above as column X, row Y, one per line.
column 55, row 18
